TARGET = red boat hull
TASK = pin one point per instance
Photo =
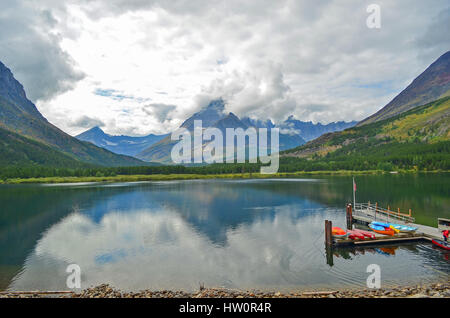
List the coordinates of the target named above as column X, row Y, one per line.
column 355, row 235
column 441, row 244
column 365, row 233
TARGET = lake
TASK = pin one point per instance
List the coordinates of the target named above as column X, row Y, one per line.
column 246, row 234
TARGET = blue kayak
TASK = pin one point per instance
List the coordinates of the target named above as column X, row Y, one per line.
column 399, row 227
column 381, row 224
column 377, row 227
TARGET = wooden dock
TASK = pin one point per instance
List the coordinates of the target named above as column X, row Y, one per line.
column 367, row 213
column 382, row 239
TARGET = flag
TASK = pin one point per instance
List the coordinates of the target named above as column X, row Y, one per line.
column 354, row 185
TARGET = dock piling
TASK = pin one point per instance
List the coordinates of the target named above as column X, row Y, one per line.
column 329, row 254
column 349, row 216
column 328, row 237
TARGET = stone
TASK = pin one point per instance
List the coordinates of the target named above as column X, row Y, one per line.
column 419, row 296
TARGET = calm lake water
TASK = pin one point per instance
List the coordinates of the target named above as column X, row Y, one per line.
column 246, row 234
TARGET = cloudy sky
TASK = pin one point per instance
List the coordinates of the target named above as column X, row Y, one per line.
column 143, row 66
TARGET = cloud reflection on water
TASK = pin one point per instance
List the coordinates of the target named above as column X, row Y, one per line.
column 176, row 235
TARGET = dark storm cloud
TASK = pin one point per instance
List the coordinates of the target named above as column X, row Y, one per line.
column 436, row 40
column 294, row 48
column 87, row 122
column 314, row 59
column 33, row 53
column 160, row 111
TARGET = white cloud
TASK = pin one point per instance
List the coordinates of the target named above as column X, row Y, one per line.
column 268, row 59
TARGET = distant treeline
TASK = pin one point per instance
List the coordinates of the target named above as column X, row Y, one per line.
column 376, row 154
column 358, row 157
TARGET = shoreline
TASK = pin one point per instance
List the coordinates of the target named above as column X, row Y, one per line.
column 427, row 290
column 174, row 177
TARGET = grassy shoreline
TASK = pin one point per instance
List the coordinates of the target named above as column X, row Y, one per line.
column 171, row 177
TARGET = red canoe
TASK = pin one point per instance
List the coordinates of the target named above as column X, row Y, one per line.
column 355, row 235
column 441, row 243
column 365, row 233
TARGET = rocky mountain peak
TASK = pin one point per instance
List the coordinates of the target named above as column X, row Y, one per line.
column 13, row 92
column 432, row 84
column 208, row 115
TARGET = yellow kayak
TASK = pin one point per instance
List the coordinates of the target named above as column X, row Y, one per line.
column 395, row 230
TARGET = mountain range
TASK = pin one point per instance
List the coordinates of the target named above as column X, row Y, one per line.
column 124, row 145
column 21, row 121
column 157, row 148
column 426, row 124
column 212, row 116
column 418, row 115
column 309, row 131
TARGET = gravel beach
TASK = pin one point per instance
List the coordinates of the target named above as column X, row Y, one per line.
column 435, row 290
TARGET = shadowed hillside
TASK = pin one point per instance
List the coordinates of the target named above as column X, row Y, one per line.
column 20, row 115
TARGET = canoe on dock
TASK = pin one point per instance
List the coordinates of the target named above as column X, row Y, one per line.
column 365, row 233
column 379, row 222
column 338, row 232
column 381, row 230
column 396, row 227
column 404, row 228
column 441, row 244
column 355, row 235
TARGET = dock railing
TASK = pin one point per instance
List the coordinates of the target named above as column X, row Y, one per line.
column 380, row 214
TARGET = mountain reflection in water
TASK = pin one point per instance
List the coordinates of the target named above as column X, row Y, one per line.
column 247, row 234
